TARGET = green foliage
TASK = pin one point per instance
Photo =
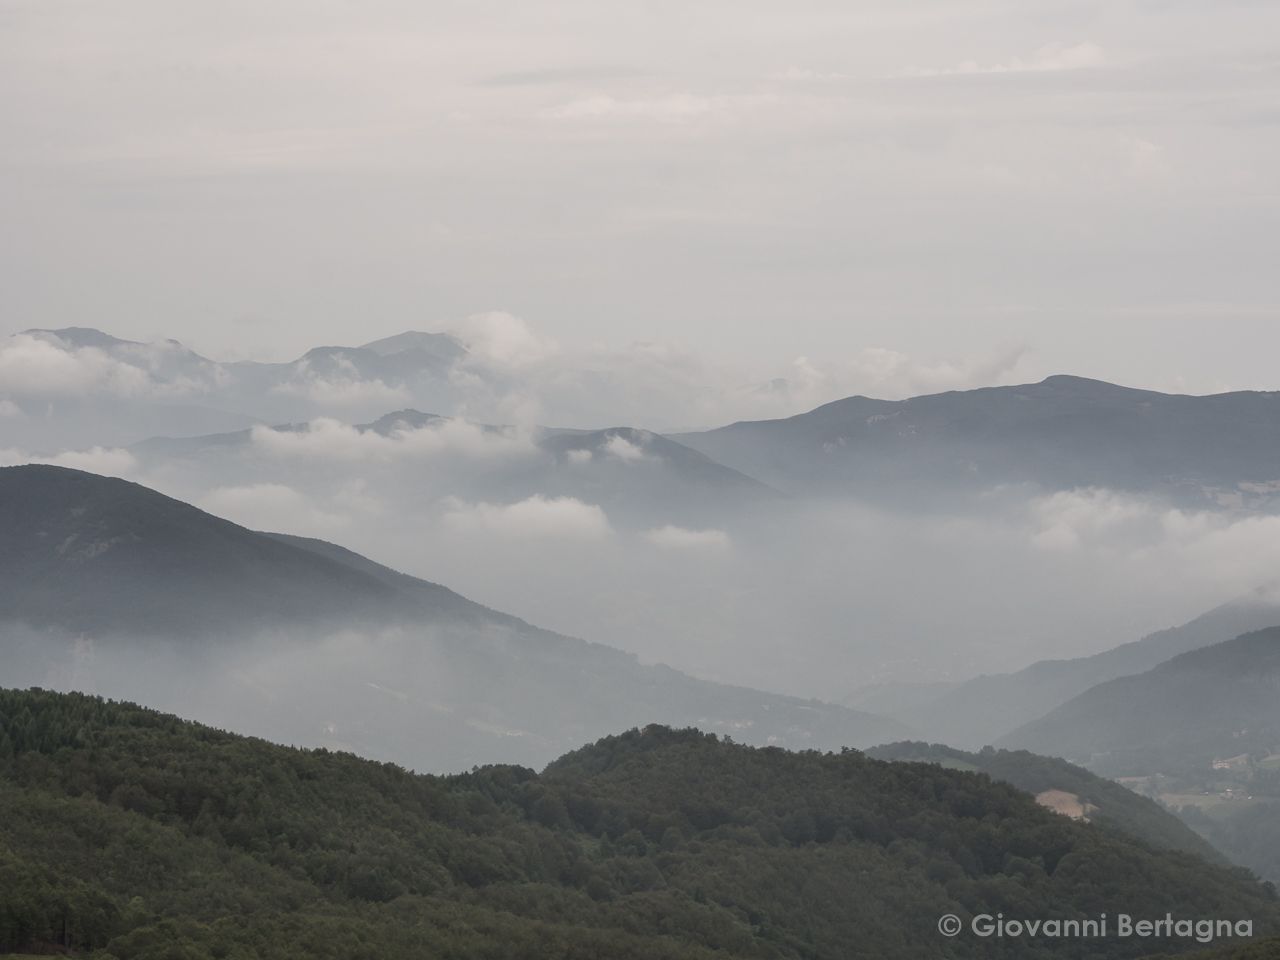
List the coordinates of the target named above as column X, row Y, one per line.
column 142, row 837
column 1114, row 807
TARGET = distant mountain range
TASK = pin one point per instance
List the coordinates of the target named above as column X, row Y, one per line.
column 1200, row 732
column 634, row 474
column 100, row 576
column 988, row 708
column 1220, row 451
column 137, row 390
column 1061, row 433
column 1217, row 701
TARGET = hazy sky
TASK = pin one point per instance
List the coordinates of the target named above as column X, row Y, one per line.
column 1084, row 186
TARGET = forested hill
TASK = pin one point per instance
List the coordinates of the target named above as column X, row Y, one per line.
column 1050, row 779
column 145, row 837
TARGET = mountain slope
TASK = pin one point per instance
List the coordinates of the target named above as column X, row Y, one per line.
column 1201, row 733
column 1061, row 433
column 982, row 710
column 1220, row 700
column 117, row 392
column 149, row 837
column 112, row 587
column 99, row 555
column 638, row 476
column 1050, row 780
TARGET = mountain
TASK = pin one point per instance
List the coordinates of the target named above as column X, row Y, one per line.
column 105, row 391
column 112, row 587
column 1222, row 700
column 638, row 476
column 1065, row 788
column 440, row 346
column 90, row 554
column 1200, row 733
column 1061, row 433
column 144, row 836
column 984, row 709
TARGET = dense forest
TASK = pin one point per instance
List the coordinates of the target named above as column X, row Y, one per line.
column 1108, row 804
column 139, row 836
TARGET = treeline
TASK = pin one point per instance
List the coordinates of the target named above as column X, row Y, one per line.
column 140, row 836
column 1115, row 807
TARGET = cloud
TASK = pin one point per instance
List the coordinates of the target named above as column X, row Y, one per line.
column 679, row 538
column 327, row 439
column 1218, row 547
column 620, row 447
column 1050, row 58
column 503, row 339
column 1095, row 517
column 537, row 517
column 673, row 108
column 878, row 372
column 581, row 456
column 342, row 391
column 109, row 462
column 513, row 375
column 272, row 506
column 10, row 410
column 45, row 366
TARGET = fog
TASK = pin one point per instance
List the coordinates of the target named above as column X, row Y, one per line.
column 897, row 546
column 809, row 597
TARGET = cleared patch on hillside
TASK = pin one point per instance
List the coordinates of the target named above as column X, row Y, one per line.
column 1067, row 804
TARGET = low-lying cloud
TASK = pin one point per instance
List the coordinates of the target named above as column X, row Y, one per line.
column 671, row 537
column 538, row 517
column 106, row 461
column 328, row 439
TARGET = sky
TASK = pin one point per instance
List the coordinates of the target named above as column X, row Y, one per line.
column 1003, row 188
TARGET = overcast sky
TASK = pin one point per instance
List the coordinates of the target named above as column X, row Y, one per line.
column 1016, row 187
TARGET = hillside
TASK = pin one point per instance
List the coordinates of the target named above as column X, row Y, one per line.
column 1061, row 433
column 1102, row 801
column 110, row 587
column 1217, row 701
column 636, row 475
column 1200, row 733
column 982, row 710
column 97, row 555
column 146, row 837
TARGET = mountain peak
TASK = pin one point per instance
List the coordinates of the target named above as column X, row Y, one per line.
column 82, row 337
column 440, row 344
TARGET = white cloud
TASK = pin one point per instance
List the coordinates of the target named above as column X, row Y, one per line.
column 503, row 339
column 44, row 366
column 327, row 439
column 109, row 462
column 271, row 506
column 624, row 449
column 10, row 410
column 680, row 538
column 537, row 517
column 343, row 391
column 581, row 456
column 1215, row 547
column 1093, row 517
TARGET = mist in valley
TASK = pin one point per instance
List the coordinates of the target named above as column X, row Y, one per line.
column 715, row 575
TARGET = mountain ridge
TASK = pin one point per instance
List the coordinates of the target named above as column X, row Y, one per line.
column 359, row 654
